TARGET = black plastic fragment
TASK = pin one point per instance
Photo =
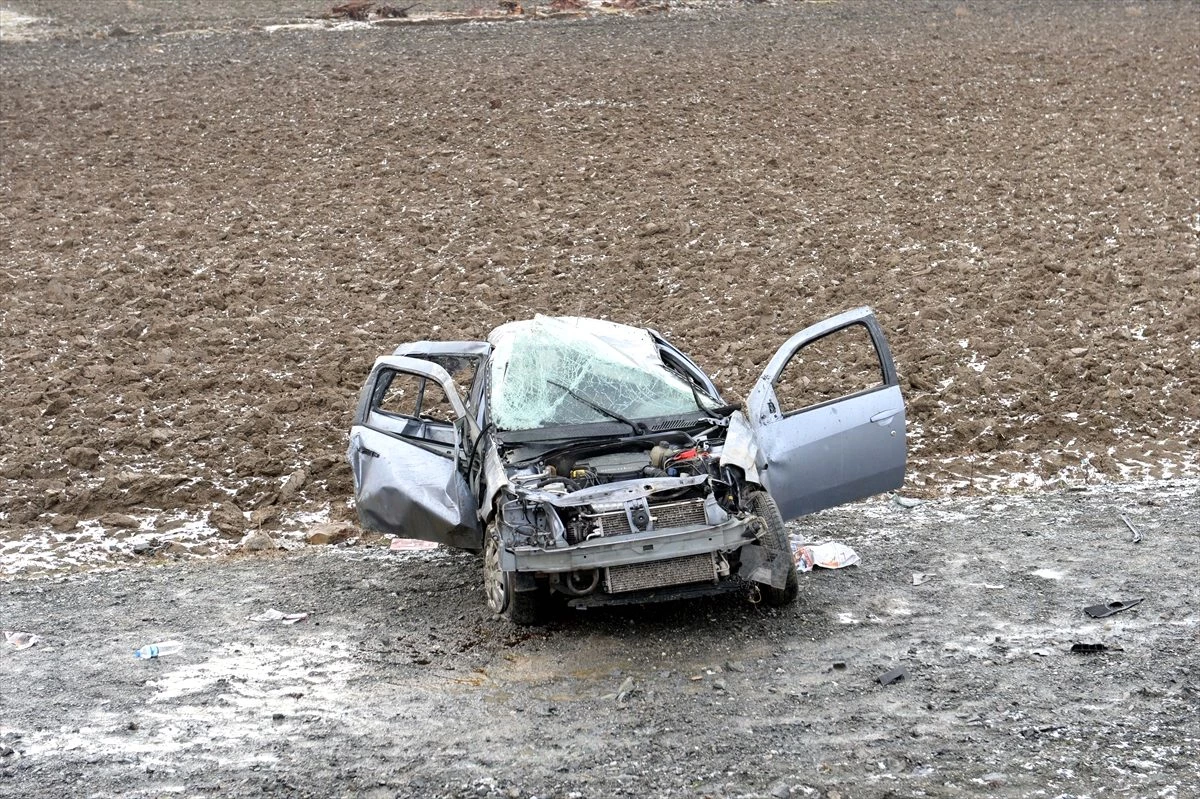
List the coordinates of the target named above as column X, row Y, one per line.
column 1109, row 608
column 1088, row 649
column 895, row 675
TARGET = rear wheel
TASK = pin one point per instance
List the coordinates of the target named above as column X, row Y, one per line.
column 519, row 607
column 775, row 540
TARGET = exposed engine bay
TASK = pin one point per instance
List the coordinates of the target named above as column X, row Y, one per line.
column 591, row 493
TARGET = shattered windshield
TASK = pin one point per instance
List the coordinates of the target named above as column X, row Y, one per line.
column 567, row 371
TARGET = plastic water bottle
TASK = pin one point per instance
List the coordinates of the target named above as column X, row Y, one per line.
column 157, row 650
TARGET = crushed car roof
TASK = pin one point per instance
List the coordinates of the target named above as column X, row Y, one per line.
column 574, row 370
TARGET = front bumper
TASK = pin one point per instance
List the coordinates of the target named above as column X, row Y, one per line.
column 623, row 550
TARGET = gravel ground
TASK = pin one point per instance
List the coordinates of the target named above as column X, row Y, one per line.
column 398, row 683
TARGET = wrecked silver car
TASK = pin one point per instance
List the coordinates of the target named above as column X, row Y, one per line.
column 594, row 463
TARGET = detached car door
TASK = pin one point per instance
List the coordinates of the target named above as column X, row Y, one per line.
column 829, row 417
column 404, row 451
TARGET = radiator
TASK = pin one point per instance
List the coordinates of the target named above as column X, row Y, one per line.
column 659, row 573
column 667, row 514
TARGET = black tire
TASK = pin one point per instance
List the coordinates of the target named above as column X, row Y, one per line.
column 525, row 608
column 775, row 539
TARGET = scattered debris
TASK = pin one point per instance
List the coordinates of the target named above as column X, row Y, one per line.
column 625, row 690
column 1136, row 536
column 1109, row 608
column 1087, row 648
column 376, row 13
column 157, row 650
column 410, row 544
column 829, row 555
column 357, row 10
column 920, row 578
column 895, row 675
column 906, row 502
column 391, row 12
column 20, row 640
column 278, row 615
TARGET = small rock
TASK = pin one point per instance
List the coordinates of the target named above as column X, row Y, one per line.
column 266, row 515
column 292, row 485
column 734, row 665
column 83, row 457
column 119, row 520
column 329, row 533
column 718, row 685
column 228, row 519
column 257, row 541
column 57, row 405
column 145, row 546
column 64, row 522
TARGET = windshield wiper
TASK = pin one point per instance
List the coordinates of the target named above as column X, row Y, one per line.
column 639, row 428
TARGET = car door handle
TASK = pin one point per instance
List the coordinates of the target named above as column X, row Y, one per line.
column 884, row 416
column 370, row 453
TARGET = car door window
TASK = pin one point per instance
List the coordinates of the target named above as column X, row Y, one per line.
column 414, row 397
column 413, row 406
column 836, row 365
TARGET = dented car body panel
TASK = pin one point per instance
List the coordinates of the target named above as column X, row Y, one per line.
column 595, row 462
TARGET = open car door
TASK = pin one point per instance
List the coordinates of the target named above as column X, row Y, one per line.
column 404, row 451
column 829, row 417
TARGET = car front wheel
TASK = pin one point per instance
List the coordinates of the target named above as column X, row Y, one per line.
column 518, row 607
column 776, row 540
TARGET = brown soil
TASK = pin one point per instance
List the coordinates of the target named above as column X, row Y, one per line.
column 210, row 228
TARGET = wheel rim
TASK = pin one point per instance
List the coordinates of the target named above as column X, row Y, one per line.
column 495, row 582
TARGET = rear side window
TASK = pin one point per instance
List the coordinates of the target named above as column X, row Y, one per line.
column 461, row 368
